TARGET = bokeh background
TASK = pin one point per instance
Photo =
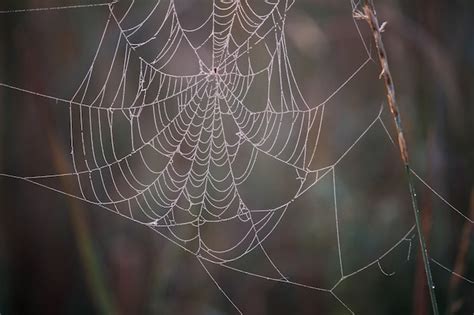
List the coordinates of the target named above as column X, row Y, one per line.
column 62, row 256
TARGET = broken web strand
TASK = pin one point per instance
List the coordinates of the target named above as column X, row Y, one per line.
column 233, row 85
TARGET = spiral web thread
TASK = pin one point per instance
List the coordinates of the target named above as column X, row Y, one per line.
column 199, row 126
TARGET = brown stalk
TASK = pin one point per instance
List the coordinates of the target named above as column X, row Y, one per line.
column 370, row 16
column 460, row 263
column 94, row 279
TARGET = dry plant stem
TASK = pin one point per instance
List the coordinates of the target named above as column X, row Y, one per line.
column 370, row 16
column 420, row 289
column 91, row 266
column 460, row 264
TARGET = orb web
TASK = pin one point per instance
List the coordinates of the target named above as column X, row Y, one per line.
column 166, row 127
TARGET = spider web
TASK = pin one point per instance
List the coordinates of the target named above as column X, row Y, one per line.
column 169, row 142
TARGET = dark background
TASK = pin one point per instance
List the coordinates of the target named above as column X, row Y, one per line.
column 60, row 256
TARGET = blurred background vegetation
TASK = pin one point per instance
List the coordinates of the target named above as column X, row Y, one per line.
column 60, row 256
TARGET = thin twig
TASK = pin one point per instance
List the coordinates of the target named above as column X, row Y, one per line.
column 420, row 296
column 370, row 16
